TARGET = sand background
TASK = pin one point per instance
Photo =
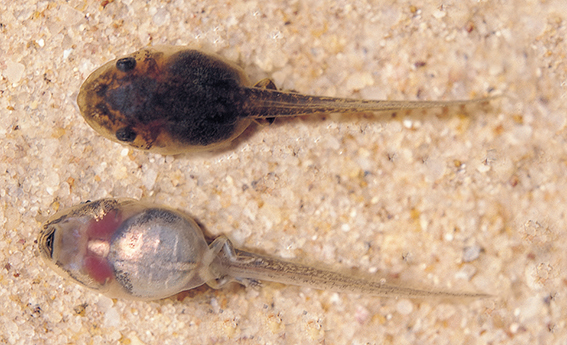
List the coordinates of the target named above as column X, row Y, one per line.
column 462, row 199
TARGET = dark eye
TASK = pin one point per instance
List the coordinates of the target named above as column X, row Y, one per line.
column 49, row 242
column 126, row 64
column 126, row 134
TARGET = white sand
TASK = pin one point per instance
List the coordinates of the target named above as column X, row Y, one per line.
column 468, row 199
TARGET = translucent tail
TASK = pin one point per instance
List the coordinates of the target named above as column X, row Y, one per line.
column 242, row 265
column 273, row 103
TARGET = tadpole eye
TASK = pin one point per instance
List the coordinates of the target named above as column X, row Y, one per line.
column 49, row 242
column 126, row 134
column 126, row 64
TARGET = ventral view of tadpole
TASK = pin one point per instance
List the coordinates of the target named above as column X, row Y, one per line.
column 172, row 99
column 125, row 248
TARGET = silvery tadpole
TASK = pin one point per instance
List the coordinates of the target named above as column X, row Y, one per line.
column 125, row 248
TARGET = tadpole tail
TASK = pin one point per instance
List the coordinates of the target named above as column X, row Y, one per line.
column 257, row 267
column 267, row 103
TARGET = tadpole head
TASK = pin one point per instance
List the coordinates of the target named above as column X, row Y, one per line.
column 166, row 99
column 115, row 100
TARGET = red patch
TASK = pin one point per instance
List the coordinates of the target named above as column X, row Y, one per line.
column 98, row 269
column 104, row 228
